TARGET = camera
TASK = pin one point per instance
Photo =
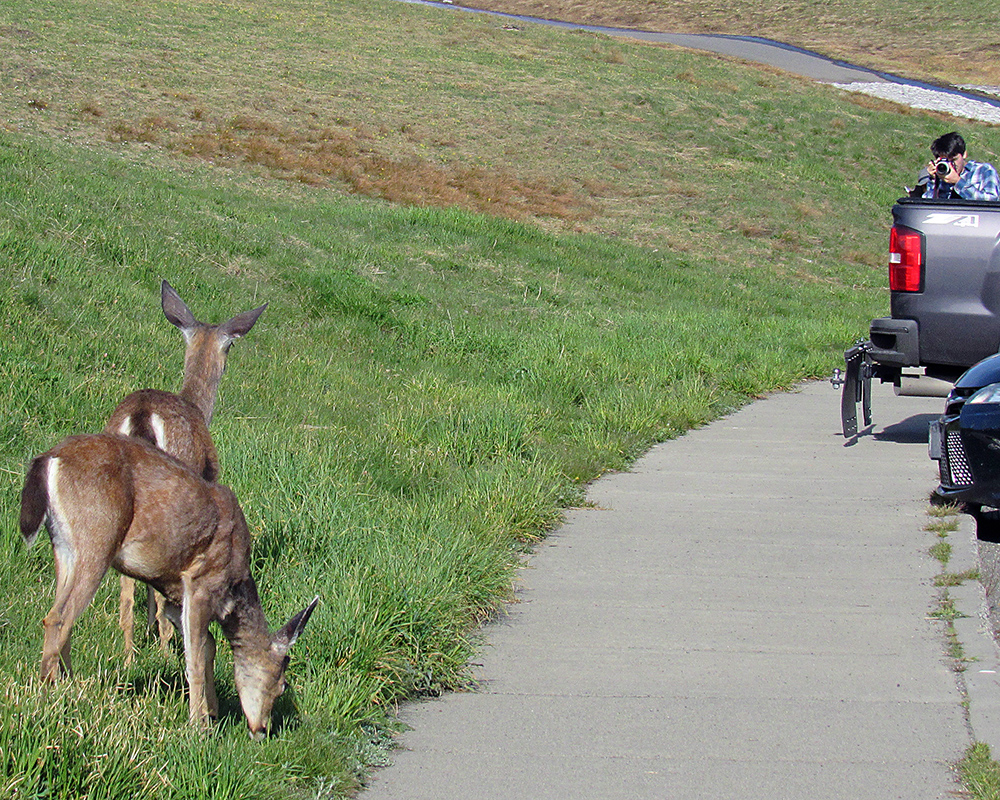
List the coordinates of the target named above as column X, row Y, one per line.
column 942, row 167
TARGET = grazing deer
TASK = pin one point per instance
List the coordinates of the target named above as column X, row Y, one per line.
column 178, row 423
column 111, row 501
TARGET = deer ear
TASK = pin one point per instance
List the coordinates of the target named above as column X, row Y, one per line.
column 241, row 324
column 286, row 637
column 174, row 309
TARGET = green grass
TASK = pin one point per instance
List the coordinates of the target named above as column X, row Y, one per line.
column 430, row 385
column 980, row 773
column 395, row 443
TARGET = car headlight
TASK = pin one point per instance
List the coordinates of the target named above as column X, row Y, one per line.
column 988, row 394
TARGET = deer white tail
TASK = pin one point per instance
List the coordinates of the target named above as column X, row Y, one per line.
column 34, row 500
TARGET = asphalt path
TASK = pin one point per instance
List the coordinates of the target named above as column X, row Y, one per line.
column 972, row 102
column 749, row 48
column 747, row 613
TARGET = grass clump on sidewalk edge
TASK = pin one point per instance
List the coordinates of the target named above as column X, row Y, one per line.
column 945, row 521
column 980, row 773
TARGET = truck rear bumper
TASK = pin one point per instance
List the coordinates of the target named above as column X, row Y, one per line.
column 894, row 342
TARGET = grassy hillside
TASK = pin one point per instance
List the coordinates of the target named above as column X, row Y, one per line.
column 579, row 132
column 496, row 267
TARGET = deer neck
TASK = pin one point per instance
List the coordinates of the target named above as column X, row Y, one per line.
column 245, row 626
column 258, row 667
column 204, row 363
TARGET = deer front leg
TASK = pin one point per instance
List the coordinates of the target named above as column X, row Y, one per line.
column 195, row 617
column 152, row 608
column 172, row 619
column 211, row 700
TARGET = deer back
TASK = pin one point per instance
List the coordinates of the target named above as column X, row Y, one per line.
column 115, row 501
column 171, row 423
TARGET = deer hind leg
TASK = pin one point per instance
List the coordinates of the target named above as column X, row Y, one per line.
column 55, row 644
column 164, row 627
column 76, row 584
column 84, row 528
column 126, row 616
column 156, row 618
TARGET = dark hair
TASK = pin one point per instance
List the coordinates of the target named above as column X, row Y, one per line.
column 948, row 146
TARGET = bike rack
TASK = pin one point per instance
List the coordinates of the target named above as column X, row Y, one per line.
column 856, row 380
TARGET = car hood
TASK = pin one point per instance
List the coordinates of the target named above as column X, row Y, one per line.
column 982, row 374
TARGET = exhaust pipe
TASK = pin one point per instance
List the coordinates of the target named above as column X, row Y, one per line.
column 922, row 386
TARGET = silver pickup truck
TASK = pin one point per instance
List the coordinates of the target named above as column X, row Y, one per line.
column 944, row 278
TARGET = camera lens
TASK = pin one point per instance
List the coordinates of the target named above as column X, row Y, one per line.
column 942, row 168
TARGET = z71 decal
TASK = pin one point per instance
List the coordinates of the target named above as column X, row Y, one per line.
column 957, row 220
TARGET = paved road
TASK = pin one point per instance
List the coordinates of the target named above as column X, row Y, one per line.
column 749, row 48
column 980, row 103
column 743, row 615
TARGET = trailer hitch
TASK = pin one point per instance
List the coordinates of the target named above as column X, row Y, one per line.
column 856, row 380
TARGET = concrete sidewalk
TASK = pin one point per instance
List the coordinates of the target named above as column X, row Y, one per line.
column 743, row 615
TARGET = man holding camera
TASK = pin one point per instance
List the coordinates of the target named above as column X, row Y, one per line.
column 952, row 175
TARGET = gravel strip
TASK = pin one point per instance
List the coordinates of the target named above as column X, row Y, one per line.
column 934, row 100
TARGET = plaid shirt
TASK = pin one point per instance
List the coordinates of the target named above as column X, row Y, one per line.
column 979, row 181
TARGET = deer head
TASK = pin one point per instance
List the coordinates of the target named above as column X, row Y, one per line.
column 260, row 672
column 207, row 348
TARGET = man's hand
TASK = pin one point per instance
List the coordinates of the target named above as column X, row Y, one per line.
column 951, row 177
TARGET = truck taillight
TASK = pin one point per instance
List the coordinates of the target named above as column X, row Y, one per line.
column 906, row 259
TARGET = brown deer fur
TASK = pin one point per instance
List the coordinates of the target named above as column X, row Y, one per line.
column 112, row 501
column 178, row 423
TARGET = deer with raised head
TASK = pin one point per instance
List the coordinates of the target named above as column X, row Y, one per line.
column 111, row 501
column 178, row 423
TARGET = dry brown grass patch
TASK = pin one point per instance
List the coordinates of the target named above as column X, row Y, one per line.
column 804, row 210
column 866, row 258
column 91, row 108
column 347, row 156
column 755, row 231
column 148, row 130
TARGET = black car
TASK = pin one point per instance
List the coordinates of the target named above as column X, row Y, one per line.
column 965, row 441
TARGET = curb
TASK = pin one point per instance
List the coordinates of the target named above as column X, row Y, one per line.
column 982, row 674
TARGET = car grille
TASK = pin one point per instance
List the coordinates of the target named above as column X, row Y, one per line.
column 954, row 465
